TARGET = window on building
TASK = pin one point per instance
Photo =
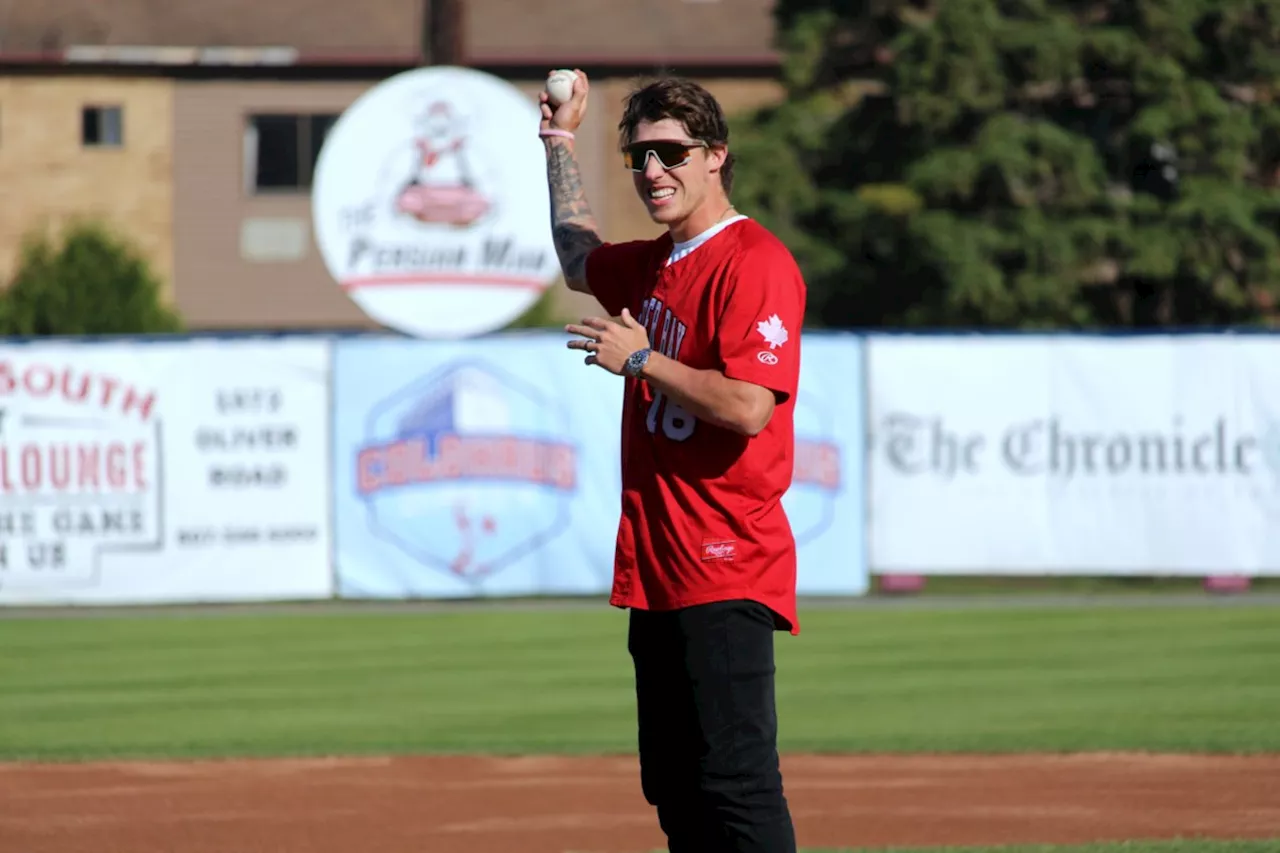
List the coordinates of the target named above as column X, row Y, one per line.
column 102, row 127
column 281, row 150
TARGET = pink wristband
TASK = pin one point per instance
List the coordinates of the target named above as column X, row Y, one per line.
column 553, row 132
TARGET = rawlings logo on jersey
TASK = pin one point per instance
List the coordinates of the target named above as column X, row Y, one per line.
column 725, row 549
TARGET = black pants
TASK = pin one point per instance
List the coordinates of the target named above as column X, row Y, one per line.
column 708, row 727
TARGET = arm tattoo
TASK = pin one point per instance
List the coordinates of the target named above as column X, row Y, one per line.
column 573, row 226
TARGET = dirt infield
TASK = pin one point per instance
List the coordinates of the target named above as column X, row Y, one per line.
column 554, row 805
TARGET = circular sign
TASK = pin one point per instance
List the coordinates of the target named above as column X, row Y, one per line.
column 430, row 203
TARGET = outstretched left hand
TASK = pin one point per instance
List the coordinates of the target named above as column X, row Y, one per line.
column 610, row 344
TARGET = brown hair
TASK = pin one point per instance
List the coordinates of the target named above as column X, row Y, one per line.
column 686, row 102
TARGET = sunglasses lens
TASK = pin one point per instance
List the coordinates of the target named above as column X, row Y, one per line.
column 669, row 154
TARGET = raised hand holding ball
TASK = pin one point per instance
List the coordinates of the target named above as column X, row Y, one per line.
column 563, row 100
column 560, row 86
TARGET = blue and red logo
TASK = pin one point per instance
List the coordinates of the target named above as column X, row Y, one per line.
column 467, row 470
column 816, row 478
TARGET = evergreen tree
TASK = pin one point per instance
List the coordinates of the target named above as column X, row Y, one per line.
column 1025, row 163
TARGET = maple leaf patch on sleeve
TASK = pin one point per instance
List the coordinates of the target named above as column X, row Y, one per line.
column 772, row 330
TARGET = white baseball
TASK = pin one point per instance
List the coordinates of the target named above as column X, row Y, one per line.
column 560, row 86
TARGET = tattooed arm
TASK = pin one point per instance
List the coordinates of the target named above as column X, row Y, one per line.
column 573, row 227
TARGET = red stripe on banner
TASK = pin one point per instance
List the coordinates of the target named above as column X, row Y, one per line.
column 453, row 278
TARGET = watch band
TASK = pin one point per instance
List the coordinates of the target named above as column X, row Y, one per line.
column 636, row 362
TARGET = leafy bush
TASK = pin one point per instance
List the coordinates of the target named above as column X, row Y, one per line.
column 91, row 282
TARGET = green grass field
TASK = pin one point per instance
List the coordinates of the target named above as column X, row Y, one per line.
column 1109, row 585
column 1170, row 678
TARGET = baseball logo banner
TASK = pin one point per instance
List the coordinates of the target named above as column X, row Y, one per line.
column 466, row 469
column 163, row 472
column 492, row 468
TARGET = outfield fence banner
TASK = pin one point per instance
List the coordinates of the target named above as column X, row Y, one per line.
column 184, row 471
column 491, row 468
column 1035, row 455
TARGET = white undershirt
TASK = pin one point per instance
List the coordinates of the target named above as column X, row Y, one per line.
column 681, row 250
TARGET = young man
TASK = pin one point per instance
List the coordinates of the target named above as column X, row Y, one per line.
column 708, row 340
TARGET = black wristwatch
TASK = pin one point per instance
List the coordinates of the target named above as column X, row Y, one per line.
column 636, row 362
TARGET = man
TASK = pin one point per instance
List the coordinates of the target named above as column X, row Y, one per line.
column 708, row 340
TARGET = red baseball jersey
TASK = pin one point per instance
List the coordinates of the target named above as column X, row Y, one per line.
column 702, row 518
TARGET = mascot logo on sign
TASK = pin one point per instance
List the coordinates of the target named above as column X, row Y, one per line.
column 465, row 472
column 442, row 188
column 429, row 203
column 811, row 501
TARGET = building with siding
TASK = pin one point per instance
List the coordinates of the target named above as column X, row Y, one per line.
column 192, row 126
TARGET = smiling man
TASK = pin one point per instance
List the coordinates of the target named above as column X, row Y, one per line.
column 707, row 338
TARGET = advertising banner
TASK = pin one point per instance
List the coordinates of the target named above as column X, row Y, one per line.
column 492, row 468
column 1060, row 455
column 164, row 472
column 827, row 499
column 430, row 203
